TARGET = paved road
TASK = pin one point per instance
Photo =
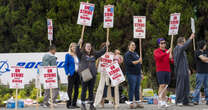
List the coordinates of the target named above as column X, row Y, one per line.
column 122, row 107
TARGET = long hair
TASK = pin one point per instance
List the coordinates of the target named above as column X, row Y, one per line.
column 83, row 49
column 70, row 50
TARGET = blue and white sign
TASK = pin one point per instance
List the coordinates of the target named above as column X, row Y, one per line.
column 30, row 62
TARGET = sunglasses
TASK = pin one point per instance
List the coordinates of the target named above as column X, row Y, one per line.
column 163, row 43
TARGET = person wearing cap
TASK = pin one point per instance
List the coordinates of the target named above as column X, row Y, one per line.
column 163, row 57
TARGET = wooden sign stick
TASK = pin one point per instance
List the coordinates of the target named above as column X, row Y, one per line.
column 50, row 42
column 171, row 45
column 194, row 44
column 140, row 47
column 16, row 99
column 107, row 37
column 51, row 91
column 82, row 35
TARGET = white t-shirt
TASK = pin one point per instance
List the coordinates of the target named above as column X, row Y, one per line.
column 76, row 62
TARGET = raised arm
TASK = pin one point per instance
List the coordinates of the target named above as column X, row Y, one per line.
column 186, row 44
column 78, row 52
column 100, row 52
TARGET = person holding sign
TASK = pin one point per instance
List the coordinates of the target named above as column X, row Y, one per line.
column 108, row 91
column 201, row 56
column 182, row 71
column 87, row 57
column 163, row 57
column 132, row 63
column 49, row 59
column 71, row 68
column 102, row 62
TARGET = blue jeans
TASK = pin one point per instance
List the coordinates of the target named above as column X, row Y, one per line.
column 201, row 79
column 134, row 85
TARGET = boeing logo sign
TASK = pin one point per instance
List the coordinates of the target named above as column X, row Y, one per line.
column 29, row 61
column 29, row 65
column 4, row 67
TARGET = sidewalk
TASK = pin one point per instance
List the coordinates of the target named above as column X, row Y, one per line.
column 122, row 107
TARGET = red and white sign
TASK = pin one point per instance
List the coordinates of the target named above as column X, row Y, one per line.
column 50, row 29
column 139, row 26
column 174, row 23
column 85, row 16
column 17, row 77
column 49, row 77
column 105, row 60
column 108, row 16
column 115, row 73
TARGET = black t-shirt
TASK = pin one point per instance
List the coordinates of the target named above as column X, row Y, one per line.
column 201, row 67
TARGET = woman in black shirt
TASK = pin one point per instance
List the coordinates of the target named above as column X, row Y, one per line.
column 132, row 63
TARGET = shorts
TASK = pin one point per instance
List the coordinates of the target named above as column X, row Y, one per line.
column 163, row 77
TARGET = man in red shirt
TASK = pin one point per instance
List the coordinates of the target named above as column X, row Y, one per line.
column 163, row 58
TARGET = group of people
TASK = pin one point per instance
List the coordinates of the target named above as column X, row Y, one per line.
column 85, row 60
column 178, row 57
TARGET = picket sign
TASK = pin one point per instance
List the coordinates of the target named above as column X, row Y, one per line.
column 17, row 80
column 105, row 61
column 50, row 30
column 193, row 31
column 50, row 79
column 108, row 16
column 139, row 29
column 108, row 20
column 115, row 74
column 174, row 26
column 85, row 16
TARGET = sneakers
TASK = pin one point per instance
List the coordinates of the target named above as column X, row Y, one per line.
column 71, row 107
column 92, row 107
column 196, row 103
column 45, row 106
column 163, row 104
column 189, row 104
column 179, row 104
